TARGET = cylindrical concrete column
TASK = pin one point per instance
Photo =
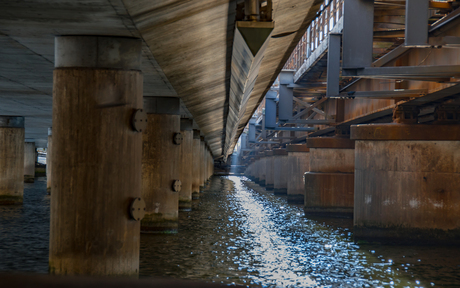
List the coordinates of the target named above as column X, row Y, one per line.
column 161, row 165
column 269, row 176
column 186, row 165
column 280, row 171
column 407, row 180
column 329, row 185
column 11, row 160
column 29, row 162
column 96, row 156
column 256, row 168
column 49, row 150
column 298, row 164
column 262, row 168
column 202, row 164
column 196, row 174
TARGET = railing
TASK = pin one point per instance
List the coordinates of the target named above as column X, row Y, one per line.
column 327, row 17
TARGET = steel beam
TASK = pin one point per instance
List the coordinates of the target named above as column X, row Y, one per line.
column 358, row 29
column 417, row 13
column 286, row 95
column 430, row 73
column 403, row 93
column 333, row 65
column 270, row 110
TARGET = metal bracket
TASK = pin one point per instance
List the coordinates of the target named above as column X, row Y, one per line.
column 447, row 114
column 406, row 114
column 139, row 120
column 178, row 138
column 177, row 186
column 137, row 209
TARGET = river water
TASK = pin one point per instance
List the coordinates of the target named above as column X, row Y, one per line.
column 238, row 233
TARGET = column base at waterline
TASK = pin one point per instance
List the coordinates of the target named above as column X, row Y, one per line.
column 10, row 200
column 295, row 198
column 406, row 235
column 269, row 187
column 195, row 195
column 29, row 179
column 74, row 265
column 261, row 183
column 280, row 191
column 256, row 180
column 333, row 212
column 185, row 205
column 156, row 223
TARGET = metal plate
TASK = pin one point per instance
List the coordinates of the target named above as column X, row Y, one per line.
column 137, row 209
column 177, row 186
column 139, row 120
column 178, row 138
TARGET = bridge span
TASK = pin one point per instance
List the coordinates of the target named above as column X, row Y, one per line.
column 349, row 107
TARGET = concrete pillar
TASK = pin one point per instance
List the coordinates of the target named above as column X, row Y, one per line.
column 262, row 168
column 96, row 156
column 202, row 164
column 29, row 162
column 329, row 185
column 407, row 180
column 298, row 164
column 160, row 165
column 186, row 164
column 196, row 165
column 280, row 171
column 256, row 168
column 11, row 160
column 269, row 176
column 49, row 150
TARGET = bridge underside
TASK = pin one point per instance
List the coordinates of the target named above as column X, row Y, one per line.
column 186, row 53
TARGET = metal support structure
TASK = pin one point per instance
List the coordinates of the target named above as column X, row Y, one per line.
column 358, row 29
column 402, row 93
column 286, row 96
column 252, row 130
column 417, row 14
column 333, row 65
column 270, row 110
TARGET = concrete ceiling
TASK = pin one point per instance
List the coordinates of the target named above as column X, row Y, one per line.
column 186, row 53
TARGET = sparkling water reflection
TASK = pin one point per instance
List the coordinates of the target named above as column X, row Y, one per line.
column 239, row 233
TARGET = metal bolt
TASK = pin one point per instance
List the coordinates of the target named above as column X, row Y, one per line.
column 178, row 138
column 177, row 186
column 137, row 210
column 139, row 120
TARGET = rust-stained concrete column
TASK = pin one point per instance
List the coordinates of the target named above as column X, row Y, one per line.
column 298, row 164
column 269, row 176
column 96, row 158
column 29, row 162
column 11, row 160
column 49, row 150
column 329, row 185
column 160, row 165
column 196, row 165
column 407, row 180
column 280, row 171
column 186, row 165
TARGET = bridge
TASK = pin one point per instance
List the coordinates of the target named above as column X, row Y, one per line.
column 348, row 107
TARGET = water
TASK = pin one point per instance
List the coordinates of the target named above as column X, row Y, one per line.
column 239, row 233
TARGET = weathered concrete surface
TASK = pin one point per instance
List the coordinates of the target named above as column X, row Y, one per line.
column 96, row 170
column 160, row 168
column 262, row 167
column 11, row 164
column 269, row 176
column 298, row 163
column 196, row 165
column 29, row 162
column 329, row 185
column 407, row 191
column 280, row 171
column 202, row 164
column 186, row 165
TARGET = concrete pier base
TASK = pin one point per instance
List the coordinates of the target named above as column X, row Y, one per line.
column 96, row 156
column 329, row 185
column 11, row 160
column 298, row 163
column 269, row 176
column 186, row 163
column 29, row 162
column 407, row 180
column 160, row 165
column 49, row 166
column 262, row 167
column 280, row 171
